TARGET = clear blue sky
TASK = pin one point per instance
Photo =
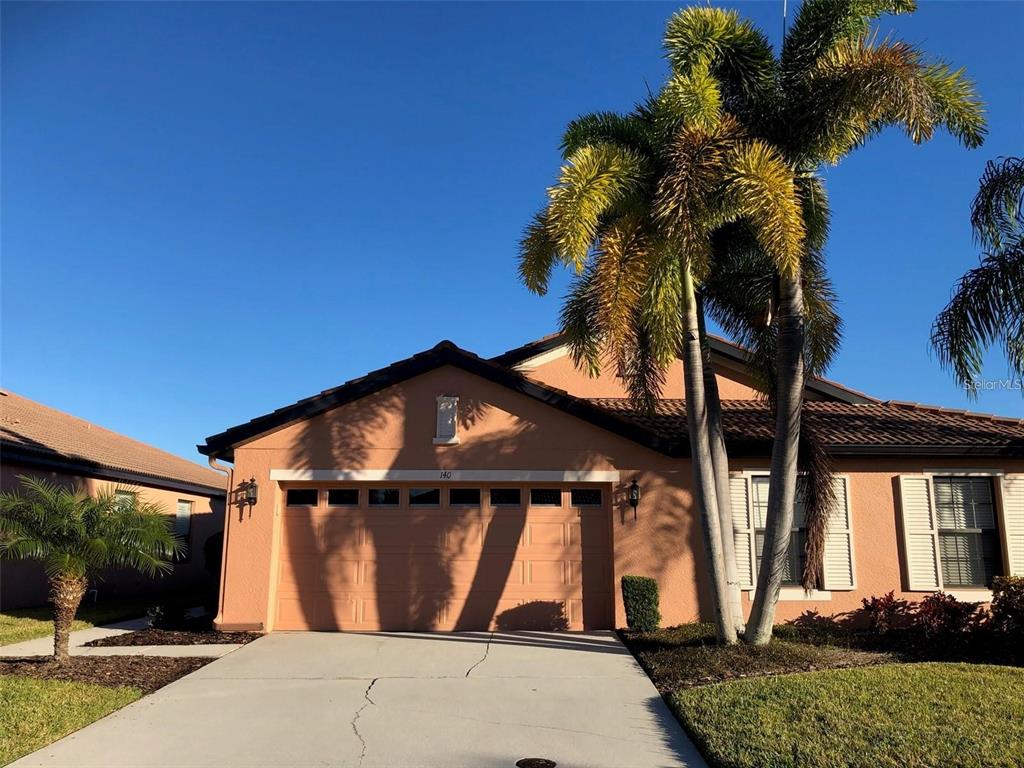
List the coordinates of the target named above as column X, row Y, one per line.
column 201, row 201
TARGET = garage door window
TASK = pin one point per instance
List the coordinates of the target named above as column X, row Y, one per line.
column 545, row 497
column 383, row 497
column 425, row 497
column 586, row 497
column 343, row 497
column 302, row 497
column 464, row 497
column 505, row 497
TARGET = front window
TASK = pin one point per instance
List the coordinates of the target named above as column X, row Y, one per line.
column 183, row 519
column 124, row 499
column 424, row 497
column 384, row 497
column 968, row 540
column 545, row 497
column 793, row 573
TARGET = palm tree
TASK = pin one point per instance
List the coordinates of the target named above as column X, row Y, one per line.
column 633, row 212
column 77, row 535
column 987, row 306
column 834, row 87
column 735, row 138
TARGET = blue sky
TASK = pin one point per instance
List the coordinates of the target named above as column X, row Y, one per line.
column 201, row 202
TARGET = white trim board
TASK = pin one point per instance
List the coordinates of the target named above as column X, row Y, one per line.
column 447, row 475
column 536, row 361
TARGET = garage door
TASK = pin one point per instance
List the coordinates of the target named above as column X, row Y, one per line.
column 456, row 557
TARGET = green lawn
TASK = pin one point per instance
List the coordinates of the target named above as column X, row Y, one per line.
column 34, row 713
column 29, row 623
column 895, row 715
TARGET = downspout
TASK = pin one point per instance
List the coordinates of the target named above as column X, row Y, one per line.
column 230, row 472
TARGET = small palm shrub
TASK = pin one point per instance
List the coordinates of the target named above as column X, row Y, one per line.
column 76, row 535
column 640, row 597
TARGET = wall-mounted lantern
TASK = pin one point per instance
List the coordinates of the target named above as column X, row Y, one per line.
column 634, row 496
column 250, row 492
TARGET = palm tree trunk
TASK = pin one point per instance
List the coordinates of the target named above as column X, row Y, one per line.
column 782, row 489
column 720, row 461
column 66, row 594
column 704, row 491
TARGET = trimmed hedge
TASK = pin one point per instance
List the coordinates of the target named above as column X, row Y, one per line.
column 640, row 596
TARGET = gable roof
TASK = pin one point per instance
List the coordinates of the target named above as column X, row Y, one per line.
column 850, row 428
column 35, row 434
column 723, row 348
column 847, row 428
column 445, row 353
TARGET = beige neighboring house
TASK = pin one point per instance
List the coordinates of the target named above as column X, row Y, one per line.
column 44, row 442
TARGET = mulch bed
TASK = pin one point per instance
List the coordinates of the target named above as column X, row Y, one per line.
column 687, row 657
column 174, row 637
column 145, row 672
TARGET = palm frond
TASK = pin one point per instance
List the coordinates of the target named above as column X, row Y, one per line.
column 627, row 131
column 595, row 178
column 821, row 24
column 692, row 99
column 763, row 189
column 986, row 306
column 578, row 325
column 819, row 495
column 619, row 278
column 538, row 254
column 997, row 213
column 955, row 104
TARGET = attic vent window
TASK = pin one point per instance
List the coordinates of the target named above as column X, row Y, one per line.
column 447, row 420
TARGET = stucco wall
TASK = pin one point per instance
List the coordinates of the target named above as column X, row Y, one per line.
column 500, row 429
column 24, row 583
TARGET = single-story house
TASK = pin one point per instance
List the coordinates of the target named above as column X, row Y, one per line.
column 452, row 492
column 44, row 442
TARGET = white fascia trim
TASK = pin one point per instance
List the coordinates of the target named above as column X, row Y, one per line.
column 954, row 472
column 447, row 475
column 544, row 357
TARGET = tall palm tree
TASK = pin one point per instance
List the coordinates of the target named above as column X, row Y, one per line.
column 736, row 136
column 834, row 86
column 987, row 306
column 633, row 212
column 77, row 535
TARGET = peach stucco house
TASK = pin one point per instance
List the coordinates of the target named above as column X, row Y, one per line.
column 43, row 442
column 448, row 491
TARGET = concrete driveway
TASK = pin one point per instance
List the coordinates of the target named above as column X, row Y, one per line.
column 478, row 700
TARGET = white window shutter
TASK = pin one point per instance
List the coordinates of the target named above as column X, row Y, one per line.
column 1013, row 523
column 838, row 560
column 920, row 538
column 743, row 530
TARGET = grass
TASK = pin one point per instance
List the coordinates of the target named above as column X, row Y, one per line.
column 30, row 623
column 34, row 713
column 895, row 715
column 686, row 656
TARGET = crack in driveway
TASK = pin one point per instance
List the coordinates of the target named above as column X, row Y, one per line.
column 487, row 650
column 359, row 712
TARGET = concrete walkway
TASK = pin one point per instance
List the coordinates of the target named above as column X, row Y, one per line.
column 479, row 700
column 43, row 646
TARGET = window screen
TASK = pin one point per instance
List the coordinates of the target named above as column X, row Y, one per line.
column 545, row 497
column 586, row 497
column 467, row 497
column 505, row 497
column 380, row 497
column 968, row 540
column 425, row 496
column 794, row 568
column 302, row 497
column 343, row 497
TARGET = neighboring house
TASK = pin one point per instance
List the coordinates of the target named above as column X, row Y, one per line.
column 447, row 491
column 40, row 441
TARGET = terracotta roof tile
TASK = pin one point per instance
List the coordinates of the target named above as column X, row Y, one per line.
column 32, row 428
column 846, row 425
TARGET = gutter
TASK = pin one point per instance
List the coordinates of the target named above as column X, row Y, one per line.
column 216, row 466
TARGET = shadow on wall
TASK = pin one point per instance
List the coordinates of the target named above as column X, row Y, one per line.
column 540, row 615
column 414, row 592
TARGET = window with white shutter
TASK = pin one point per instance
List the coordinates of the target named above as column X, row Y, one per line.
column 920, row 537
column 838, row 571
column 743, row 530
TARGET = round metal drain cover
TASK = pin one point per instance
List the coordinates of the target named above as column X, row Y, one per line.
column 535, row 762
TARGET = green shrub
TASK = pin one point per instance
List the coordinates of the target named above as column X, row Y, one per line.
column 640, row 596
column 1008, row 603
